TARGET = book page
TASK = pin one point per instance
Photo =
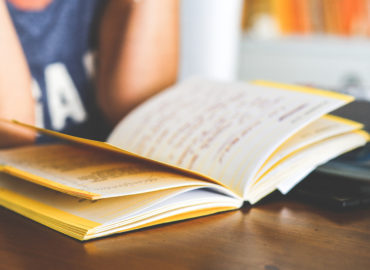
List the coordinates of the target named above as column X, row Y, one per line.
column 322, row 128
column 84, row 219
column 297, row 165
column 88, row 172
column 223, row 130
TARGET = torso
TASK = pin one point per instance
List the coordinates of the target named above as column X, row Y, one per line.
column 58, row 42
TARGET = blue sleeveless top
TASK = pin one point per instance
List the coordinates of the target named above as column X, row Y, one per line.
column 59, row 43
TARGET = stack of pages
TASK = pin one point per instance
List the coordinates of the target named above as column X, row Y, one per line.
column 197, row 148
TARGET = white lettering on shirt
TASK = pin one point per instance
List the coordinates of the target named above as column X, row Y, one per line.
column 89, row 63
column 39, row 114
column 63, row 98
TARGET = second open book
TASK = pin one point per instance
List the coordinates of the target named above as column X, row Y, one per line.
column 197, row 148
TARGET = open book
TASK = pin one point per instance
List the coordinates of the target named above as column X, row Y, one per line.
column 195, row 149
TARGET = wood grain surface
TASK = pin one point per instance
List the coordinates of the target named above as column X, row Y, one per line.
column 277, row 234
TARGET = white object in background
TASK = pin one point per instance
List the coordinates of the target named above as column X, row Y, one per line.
column 337, row 63
column 210, row 33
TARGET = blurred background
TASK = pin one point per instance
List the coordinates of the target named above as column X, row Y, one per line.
column 321, row 43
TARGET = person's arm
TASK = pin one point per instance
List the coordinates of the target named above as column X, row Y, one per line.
column 138, row 53
column 16, row 100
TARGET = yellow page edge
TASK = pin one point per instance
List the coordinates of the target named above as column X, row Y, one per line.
column 49, row 184
column 39, row 212
column 305, row 89
column 356, row 125
column 43, row 214
column 344, row 120
column 363, row 133
column 109, row 147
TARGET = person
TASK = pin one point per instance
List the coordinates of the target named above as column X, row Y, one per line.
column 73, row 65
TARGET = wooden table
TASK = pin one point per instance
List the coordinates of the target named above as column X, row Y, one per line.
column 279, row 234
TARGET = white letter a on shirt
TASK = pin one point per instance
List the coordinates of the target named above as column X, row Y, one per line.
column 63, row 99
